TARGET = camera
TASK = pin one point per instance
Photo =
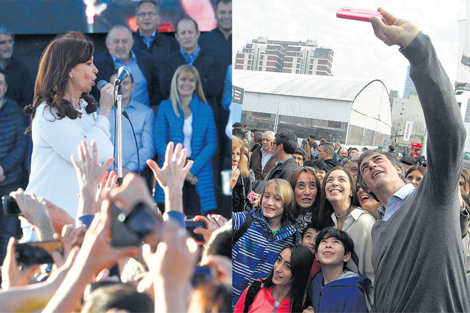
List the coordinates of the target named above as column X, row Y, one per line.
column 128, row 228
column 10, row 206
column 36, row 252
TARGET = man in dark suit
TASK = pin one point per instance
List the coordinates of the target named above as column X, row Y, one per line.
column 148, row 38
column 209, row 68
column 120, row 53
column 219, row 40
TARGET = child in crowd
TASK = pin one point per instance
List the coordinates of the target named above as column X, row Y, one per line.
column 260, row 235
column 335, row 288
column 307, row 239
column 283, row 289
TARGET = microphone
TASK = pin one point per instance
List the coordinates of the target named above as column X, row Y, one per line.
column 101, row 84
column 123, row 72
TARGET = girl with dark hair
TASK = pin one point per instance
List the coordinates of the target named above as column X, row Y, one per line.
column 340, row 207
column 261, row 234
column 415, row 173
column 284, row 289
column 63, row 114
column 307, row 189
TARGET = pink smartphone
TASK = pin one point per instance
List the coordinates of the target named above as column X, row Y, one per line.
column 357, row 14
column 251, row 196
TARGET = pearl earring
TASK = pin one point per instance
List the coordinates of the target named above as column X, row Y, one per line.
column 70, row 75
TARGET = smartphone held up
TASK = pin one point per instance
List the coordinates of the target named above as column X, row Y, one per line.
column 357, row 14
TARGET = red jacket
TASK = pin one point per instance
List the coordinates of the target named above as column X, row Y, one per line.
column 263, row 302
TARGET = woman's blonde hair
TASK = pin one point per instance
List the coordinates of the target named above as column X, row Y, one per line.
column 242, row 166
column 174, row 96
column 284, row 189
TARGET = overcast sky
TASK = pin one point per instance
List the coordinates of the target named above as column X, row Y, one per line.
column 357, row 52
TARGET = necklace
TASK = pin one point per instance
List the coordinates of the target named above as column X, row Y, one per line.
column 340, row 216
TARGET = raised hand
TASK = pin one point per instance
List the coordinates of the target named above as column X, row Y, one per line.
column 394, row 31
column 174, row 170
column 12, row 276
column 90, row 174
column 89, row 171
column 35, row 213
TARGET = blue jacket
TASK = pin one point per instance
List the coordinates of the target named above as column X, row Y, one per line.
column 169, row 127
column 13, row 142
column 256, row 251
column 346, row 294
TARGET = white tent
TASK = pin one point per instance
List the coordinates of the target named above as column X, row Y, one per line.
column 359, row 108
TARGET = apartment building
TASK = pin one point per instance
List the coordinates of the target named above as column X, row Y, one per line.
column 293, row 57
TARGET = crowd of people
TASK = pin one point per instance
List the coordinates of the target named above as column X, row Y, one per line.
column 371, row 231
column 65, row 106
column 59, row 164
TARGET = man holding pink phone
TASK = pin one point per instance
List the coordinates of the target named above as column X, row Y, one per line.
column 417, row 254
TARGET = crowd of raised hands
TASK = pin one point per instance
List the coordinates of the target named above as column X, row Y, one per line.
column 167, row 271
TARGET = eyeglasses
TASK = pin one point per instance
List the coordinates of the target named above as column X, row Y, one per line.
column 302, row 167
column 274, row 143
column 143, row 14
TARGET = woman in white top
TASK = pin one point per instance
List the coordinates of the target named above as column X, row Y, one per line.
column 340, row 207
column 63, row 114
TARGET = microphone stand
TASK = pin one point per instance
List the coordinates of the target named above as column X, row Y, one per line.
column 119, row 109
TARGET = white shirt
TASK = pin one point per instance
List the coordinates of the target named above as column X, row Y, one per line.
column 188, row 134
column 54, row 142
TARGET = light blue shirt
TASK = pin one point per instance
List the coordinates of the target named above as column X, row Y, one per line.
column 265, row 158
column 142, row 118
column 395, row 202
column 140, row 92
column 284, row 161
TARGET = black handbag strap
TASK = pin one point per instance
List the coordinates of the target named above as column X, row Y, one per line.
column 249, row 220
column 251, row 294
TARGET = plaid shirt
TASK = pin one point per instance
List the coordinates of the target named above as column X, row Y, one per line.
column 149, row 41
column 190, row 58
column 256, row 251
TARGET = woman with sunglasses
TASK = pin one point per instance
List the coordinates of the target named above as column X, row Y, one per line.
column 340, row 207
column 307, row 189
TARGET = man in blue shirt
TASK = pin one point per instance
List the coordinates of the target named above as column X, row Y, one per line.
column 142, row 119
column 148, row 38
column 209, row 68
column 120, row 53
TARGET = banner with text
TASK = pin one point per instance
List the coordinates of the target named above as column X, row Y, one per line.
column 408, row 129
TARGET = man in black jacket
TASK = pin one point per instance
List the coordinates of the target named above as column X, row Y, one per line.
column 284, row 146
column 120, row 53
column 219, row 40
column 209, row 68
column 325, row 153
column 148, row 38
